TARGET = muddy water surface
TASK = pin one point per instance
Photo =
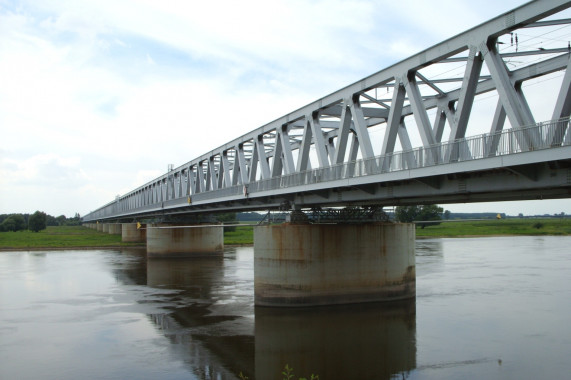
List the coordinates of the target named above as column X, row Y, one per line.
column 493, row 308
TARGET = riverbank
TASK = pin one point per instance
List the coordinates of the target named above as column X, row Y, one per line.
column 77, row 237
column 497, row 227
column 61, row 237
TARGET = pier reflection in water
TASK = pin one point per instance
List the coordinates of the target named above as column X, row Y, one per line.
column 214, row 319
column 372, row 341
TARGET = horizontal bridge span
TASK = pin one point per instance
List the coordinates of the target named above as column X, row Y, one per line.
column 355, row 145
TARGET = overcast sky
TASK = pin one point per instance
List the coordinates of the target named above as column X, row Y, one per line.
column 98, row 97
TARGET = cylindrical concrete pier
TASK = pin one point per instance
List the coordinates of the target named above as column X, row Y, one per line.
column 324, row 264
column 115, row 228
column 105, row 228
column 130, row 233
column 184, row 241
column 100, row 227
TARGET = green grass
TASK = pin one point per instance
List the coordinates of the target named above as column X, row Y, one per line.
column 60, row 237
column 242, row 236
column 547, row 226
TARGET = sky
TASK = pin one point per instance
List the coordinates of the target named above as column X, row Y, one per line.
column 98, row 97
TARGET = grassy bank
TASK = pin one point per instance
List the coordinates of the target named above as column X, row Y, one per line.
column 81, row 237
column 241, row 236
column 60, row 237
column 547, row 226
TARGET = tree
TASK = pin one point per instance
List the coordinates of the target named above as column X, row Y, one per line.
column 37, row 221
column 227, row 218
column 430, row 212
column 408, row 214
column 447, row 214
column 14, row 222
column 50, row 220
column 7, row 225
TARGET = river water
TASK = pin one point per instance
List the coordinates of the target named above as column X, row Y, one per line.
column 488, row 308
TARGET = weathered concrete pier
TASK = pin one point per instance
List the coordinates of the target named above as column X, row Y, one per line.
column 324, row 264
column 167, row 240
column 130, row 232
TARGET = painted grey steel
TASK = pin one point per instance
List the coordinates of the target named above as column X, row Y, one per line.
column 324, row 153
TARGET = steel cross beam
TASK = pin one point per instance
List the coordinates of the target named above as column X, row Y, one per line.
column 335, row 139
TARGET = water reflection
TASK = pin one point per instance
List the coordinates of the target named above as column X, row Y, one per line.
column 208, row 341
column 367, row 341
column 432, row 247
column 195, row 276
column 215, row 334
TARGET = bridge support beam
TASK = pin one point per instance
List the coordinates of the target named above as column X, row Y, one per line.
column 184, row 241
column 130, row 233
column 324, row 264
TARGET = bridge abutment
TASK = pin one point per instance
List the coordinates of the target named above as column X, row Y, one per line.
column 324, row 264
column 184, row 241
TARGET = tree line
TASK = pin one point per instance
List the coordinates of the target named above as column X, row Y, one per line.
column 37, row 221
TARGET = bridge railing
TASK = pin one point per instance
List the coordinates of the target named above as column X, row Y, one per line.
column 540, row 136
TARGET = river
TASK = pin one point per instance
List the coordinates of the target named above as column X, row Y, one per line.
column 488, row 308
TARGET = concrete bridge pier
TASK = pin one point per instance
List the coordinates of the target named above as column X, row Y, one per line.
column 130, row 232
column 100, row 227
column 167, row 240
column 325, row 264
column 115, row 228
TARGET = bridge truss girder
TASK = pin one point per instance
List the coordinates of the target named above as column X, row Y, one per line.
column 340, row 130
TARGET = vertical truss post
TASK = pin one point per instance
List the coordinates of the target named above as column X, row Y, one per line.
column 343, row 133
column 200, row 186
column 406, row 145
column 421, row 117
column 242, row 166
column 439, row 124
column 319, row 140
column 286, row 151
column 393, row 123
column 465, row 102
column 303, row 155
column 353, row 150
column 262, row 158
column 254, row 164
column 277, row 165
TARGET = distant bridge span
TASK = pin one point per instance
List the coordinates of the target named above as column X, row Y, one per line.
column 354, row 146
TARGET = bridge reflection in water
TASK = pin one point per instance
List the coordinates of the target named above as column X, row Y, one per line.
column 214, row 328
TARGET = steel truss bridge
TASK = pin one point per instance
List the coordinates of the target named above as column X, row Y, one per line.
column 354, row 146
